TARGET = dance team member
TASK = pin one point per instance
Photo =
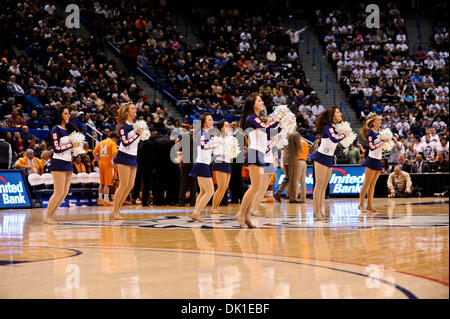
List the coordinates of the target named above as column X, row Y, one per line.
column 105, row 152
column 256, row 155
column 266, row 179
column 201, row 168
column 369, row 131
column 126, row 157
column 323, row 158
column 222, row 167
column 61, row 165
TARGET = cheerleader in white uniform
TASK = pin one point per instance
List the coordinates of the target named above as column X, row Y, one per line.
column 222, row 167
column 126, row 157
column 256, row 155
column 323, row 158
column 369, row 131
column 201, row 168
column 61, row 164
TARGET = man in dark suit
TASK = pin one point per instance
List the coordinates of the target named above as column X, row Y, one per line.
column 167, row 174
column 186, row 181
column 236, row 185
column 420, row 166
column 404, row 165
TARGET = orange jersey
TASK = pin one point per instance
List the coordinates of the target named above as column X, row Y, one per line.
column 107, row 150
column 305, row 150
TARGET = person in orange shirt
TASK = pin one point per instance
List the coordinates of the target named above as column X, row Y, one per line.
column 105, row 152
column 140, row 23
column 302, row 156
column 30, row 163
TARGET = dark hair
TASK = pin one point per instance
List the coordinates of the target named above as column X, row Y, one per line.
column 248, row 109
column 221, row 124
column 202, row 119
column 325, row 118
column 113, row 134
column 57, row 120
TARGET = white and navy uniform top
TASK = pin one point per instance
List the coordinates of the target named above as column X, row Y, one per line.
column 222, row 163
column 62, row 154
column 373, row 160
column 201, row 166
column 129, row 142
column 325, row 154
column 259, row 141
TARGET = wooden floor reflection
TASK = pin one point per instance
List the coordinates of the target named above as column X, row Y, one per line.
column 159, row 252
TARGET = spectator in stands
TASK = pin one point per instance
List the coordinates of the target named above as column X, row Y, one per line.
column 33, row 121
column 5, row 153
column 87, row 161
column 352, row 154
column 13, row 85
column 411, row 153
column 30, row 163
column 15, row 120
column 428, row 148
column 396, row 150
column 317, row 108
column 405, row 164
column 420, row 166
column 46, row 159
column 399, row 183
column 443, row 146
column 17, row 144
column 75, row 121
column 385, row 166
column 441, row 164
column 78, row 165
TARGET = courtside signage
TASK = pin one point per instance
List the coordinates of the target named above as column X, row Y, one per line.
column 344, row 180
column 13, row 190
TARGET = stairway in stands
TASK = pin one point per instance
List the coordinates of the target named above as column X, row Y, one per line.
column 313, row 72
column 142, row 82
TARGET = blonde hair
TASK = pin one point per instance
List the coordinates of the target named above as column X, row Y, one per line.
column 367, row 125
column 47, row 154
column 122, row 114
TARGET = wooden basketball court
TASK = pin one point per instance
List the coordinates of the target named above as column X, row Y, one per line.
column 159, row 252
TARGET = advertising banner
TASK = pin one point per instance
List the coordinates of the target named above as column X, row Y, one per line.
column 14, row 192
column 344, row 180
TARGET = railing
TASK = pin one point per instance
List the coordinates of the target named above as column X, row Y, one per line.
column 100, row 134
column 419, row 30
column 316, row 54
column 307, row 41
column 342, row 107
column 328, row 80
column 148, row 77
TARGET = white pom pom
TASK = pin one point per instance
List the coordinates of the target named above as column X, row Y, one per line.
column 226, row 147
column 345, row 129
column 141, row 124
column 287, row 123
column 76, row 137
column 386, row 134
column 387, row 146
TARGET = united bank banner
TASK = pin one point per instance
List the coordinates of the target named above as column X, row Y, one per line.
column 344, row 180
column 13, row 190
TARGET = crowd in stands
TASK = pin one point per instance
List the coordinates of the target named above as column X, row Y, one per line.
column 242, row 53
column 378, row 74
column 56, row 68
